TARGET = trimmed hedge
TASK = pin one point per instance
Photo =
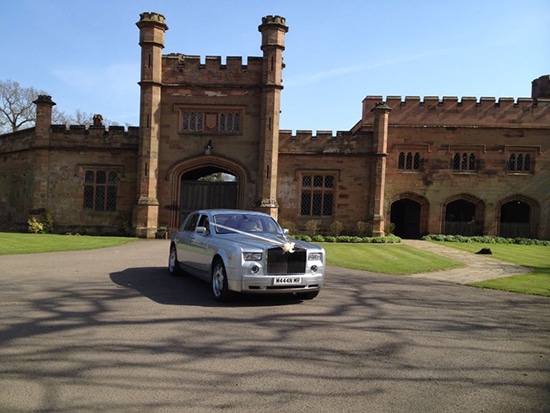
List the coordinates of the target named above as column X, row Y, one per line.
column 389, row 239
column 486, row 239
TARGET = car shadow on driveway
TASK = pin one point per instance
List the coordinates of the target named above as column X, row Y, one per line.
column 158, row 285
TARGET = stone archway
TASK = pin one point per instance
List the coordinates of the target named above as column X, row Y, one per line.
column 409, row 214
column 464, row 215
column 517, row 217
column 192, row 186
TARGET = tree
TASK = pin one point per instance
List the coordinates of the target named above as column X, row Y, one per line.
column 16, row 108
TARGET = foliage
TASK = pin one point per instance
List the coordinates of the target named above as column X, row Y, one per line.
column 17, row 110
column 336, row 228
column 35, row 226
column 349, row 239
column 363, row 229
column 41, row 221
column 485, row 240
column 312, row 227
column 291, row 226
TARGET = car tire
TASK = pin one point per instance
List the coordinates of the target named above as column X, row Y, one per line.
column 220, row 291
column 309, row 295
column 173, row 265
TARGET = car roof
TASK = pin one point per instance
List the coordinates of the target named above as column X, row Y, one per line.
column 230, row 211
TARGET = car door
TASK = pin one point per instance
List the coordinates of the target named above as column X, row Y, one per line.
column 185, row 241
column 202, row 246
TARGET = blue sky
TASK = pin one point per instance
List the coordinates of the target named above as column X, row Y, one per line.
column 86, row 54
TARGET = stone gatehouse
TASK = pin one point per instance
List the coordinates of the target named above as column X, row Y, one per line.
column 209, row 136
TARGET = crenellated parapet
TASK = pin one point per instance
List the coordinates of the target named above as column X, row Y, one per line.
column 305, row 142
column 467, row 111
column 192, row 70
column 73, row 136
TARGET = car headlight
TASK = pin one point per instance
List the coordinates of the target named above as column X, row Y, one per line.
column 315, row 256
column 252, row 256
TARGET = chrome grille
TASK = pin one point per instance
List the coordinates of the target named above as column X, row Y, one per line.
column 279, row 262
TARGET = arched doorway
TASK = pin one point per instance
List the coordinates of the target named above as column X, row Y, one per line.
column 515, row 220
column 464, row 216
column 405, row 215
column 207, row 187
column 205, row 182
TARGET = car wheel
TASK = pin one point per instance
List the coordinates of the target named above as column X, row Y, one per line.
column 173, row 265
column 309, row 295
column 220, row 292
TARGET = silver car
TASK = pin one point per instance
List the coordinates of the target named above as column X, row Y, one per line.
column 245, row 252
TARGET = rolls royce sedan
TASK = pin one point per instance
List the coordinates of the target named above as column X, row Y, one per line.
column 239, row 251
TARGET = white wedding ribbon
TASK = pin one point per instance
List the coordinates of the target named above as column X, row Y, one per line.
column 286, row 246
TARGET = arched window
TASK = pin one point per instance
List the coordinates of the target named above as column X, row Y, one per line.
column 464, row 161
column 409, row 161
column 401, row 162
column 519, row 162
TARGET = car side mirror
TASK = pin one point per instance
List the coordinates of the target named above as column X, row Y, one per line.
column 201, row 230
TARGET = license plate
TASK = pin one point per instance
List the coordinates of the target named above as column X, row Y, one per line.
column 286, row 280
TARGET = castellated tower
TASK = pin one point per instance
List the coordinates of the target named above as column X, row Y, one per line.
column 151, row 39
column 273, row 29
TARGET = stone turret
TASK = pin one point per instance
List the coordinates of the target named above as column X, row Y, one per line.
column 273, row 29
column 151, row 39
column 540, row 88
column 44, row 107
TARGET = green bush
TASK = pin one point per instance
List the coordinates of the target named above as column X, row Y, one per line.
column 312, row 227
column 336, row 228
column 363, row 229
column 485, row 239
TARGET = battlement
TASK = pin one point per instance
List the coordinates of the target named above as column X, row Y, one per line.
column 322, row 142
column 181, row 68
column 74, row 136
column 486, row 111
column 274, row 20
column 152, row 17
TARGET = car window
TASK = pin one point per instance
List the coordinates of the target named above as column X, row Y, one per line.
column 203, row 222
column 249, row 223
column 191, row 223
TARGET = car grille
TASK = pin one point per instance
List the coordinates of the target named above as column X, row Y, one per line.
column 279, row 262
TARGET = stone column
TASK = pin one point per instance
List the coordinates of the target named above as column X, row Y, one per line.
column 381, row 113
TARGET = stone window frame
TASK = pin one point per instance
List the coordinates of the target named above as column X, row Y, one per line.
column 411, row 157
column 224, row 120
column 528, row 156
column 319, row 195
column 110, row 188
column 465, row 159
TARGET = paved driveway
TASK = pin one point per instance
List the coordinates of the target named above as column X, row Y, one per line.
column 110, row 331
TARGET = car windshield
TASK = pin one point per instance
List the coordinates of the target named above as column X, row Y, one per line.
column 248, row 223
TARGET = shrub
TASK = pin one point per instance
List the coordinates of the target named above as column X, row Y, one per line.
column 318, row 238
column 312, row 227
column 35, row 226
column 336, row 228
column 485, row 239
column 363, row 229
column 291, row 226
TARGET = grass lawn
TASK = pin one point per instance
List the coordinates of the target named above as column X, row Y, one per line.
column 15, row 243
column 535, row 257
column 385, row 258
